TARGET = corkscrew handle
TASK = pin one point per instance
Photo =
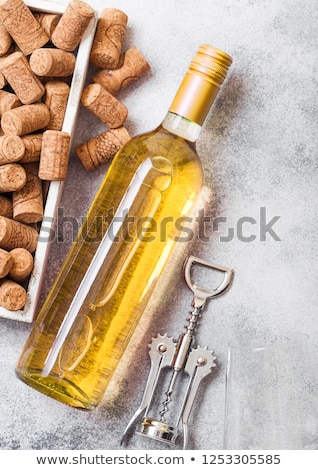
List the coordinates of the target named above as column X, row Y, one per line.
column 200, row 293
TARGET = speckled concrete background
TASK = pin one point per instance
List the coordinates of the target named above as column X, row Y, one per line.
column 259, row 154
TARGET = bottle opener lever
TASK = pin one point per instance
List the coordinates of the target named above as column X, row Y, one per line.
column 179, row 356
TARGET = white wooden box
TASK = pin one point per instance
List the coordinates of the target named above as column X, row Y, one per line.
column 55, row 188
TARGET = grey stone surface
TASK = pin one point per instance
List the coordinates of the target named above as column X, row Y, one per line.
column 259, row 154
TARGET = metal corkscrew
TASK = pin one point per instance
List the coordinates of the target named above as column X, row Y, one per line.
column 179, row 356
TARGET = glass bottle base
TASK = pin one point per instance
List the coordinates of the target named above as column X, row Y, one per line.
column 58, row 388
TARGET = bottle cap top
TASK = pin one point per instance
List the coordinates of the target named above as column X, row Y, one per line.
column 201, row 83
column 212, row 63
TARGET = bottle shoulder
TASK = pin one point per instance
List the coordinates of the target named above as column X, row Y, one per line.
column 174, row 164
column 160, row 142
column 154, row 163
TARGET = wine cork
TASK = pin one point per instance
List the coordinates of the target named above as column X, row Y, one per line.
column 20, row 23
column 48, row 22
column 98, row 150
column 12, row 177
column 25, row 84
column 56, row 96
column 14, row 234
column 28, row 201
column 32, row 144
column 109, row 37
column 6, row 207
column 13, row 296
column 5, row 40
column 54, row 155
column 8, row 101
column 6, row 263
column 22, row 264
column 72, row 25
column 25, row 119
column 104, row 105
column 133, row 68
column 11, row 148
column 49, row 62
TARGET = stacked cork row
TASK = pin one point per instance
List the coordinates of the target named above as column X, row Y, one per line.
column 116, row 70
column 37, row 60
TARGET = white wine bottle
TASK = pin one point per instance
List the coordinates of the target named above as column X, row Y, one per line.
column 121, row 249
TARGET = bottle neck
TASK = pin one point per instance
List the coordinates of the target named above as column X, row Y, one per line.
column 182, row 127
column 197, row 92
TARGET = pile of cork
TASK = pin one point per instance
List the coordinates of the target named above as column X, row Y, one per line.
column 118, row 70
column 37, row 60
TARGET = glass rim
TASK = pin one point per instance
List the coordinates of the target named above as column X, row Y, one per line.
column 263, row 342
